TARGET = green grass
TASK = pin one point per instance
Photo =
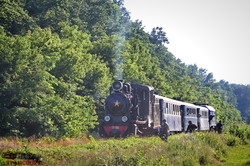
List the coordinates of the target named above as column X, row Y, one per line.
column 238, row 156
column 180, row 150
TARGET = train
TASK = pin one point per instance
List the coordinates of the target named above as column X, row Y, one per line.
column 134, row 109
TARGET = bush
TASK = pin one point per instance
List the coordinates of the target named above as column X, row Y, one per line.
column 240, row 130
column 188, row 149
column 215, row 141
column 231, row 140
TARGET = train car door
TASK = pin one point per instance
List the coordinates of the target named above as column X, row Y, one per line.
column 161, row 102
column 198, row 119
column 182, row 117
column 156, row 112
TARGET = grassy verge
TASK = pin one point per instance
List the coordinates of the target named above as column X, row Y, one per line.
column 181, row 149
column 238, row 156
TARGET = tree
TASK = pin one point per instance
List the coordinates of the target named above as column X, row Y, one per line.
column 58, row 59
column 158, row 36
column 33, row 94
column 14, row 18
column 242, row 94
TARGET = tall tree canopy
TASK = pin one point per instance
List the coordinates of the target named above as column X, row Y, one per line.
column 58, row 58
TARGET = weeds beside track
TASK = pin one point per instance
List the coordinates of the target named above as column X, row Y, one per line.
column 181, row 149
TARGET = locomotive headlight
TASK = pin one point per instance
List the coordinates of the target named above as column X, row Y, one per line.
column 107, row 118
column 117, row 85
column 124, row 119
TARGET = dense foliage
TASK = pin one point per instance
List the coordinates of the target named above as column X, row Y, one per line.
column 58, row 58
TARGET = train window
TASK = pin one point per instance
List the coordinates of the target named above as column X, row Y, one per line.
column 166, row 108
column 157, row 101
column 190, row 111
column 144, row 95
column 169, row 108
column 204, row 114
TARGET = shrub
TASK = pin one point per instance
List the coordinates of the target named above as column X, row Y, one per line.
column 215, row 141
column 188, row 149
column 231, row 140
column 241, row 130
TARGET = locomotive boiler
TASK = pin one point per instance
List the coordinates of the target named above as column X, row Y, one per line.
column 134, row 109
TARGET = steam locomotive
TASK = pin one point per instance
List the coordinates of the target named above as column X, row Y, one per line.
column 133, row 109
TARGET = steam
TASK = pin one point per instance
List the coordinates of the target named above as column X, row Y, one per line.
column 120, row 41
column 119, row 49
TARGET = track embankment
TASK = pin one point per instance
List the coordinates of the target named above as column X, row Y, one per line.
column 180, row 149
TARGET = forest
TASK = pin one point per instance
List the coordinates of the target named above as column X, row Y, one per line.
column 58, row 59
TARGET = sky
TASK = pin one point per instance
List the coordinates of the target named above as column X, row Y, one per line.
column 213, row 34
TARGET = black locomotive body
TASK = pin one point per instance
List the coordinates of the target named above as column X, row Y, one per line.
column 133, row 109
